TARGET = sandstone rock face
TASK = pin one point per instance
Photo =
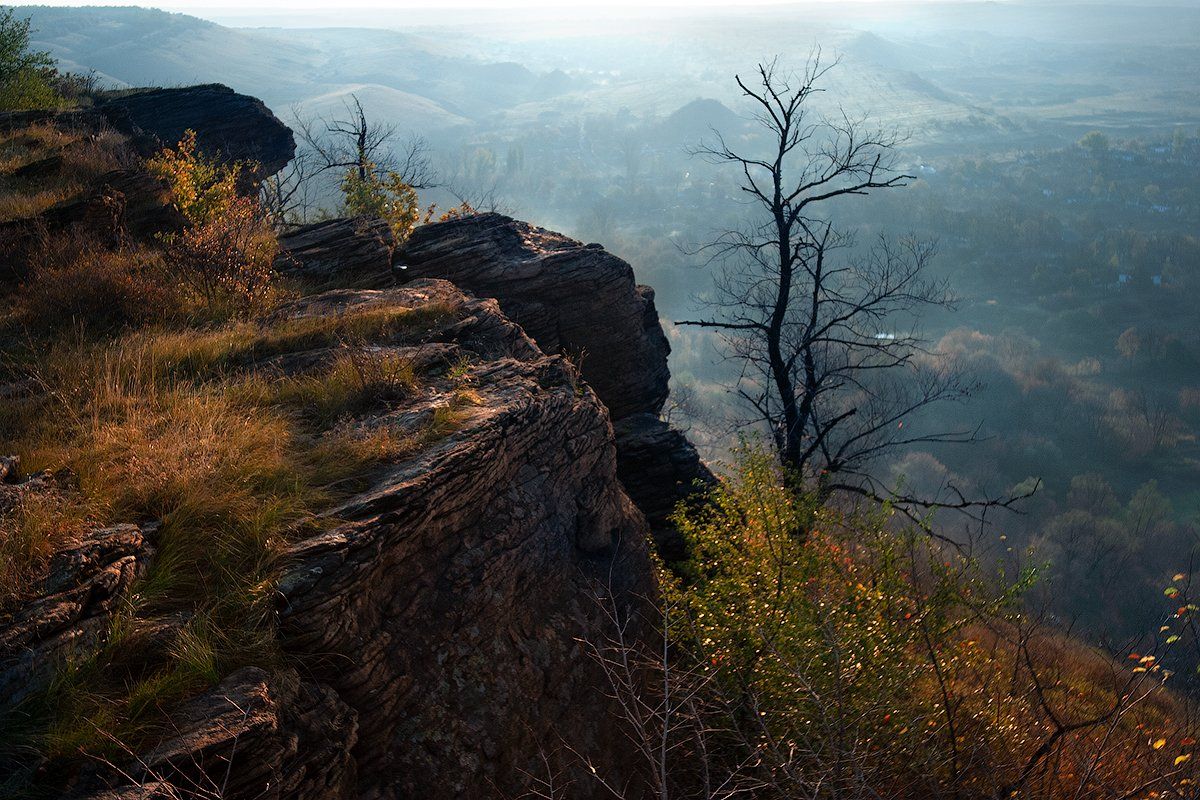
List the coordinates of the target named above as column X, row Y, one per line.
column 239, row 127
column 346, row 250
column 448, row 607
column 572, row 298
column 659, row 467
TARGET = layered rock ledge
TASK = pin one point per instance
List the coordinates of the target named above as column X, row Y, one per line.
column 235, row 126
column 582, row 301
column 436, row 629
column 575, row 299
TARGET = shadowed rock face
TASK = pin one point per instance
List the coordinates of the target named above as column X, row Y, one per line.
column 449, row 607
column 347, row 249
column 575, row 299
column 260, row 735
column 237, row 126
column 659, row 467
column 269, row 735
column 69, row 616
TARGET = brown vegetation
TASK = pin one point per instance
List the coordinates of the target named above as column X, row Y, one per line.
column 47, row 164
column 134, row 377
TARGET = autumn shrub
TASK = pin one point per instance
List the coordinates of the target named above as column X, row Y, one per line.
column 227, row 252
column 228, row 258
column 460, row 211
column 817, row 653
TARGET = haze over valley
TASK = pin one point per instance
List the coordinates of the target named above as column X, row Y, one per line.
column 812, row 388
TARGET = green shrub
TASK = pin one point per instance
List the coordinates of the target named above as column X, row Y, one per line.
column 815, row 652
column 387, row 196
column 26, row 76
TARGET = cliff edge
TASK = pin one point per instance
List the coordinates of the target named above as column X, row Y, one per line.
column 428, row 628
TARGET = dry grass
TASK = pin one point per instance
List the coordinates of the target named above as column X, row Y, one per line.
column 174, row 425
column 28, row 204
column 158, row 403
column 85, row 158
column 22, row 146
column 98, row 289
column 30, row 533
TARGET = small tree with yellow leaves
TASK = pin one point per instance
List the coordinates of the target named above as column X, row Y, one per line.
column 817, row 653
column 367, row 192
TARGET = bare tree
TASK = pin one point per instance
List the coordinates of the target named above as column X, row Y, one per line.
column 330, row 147
column 350, row 140
column 289, row 197
column 824, row 331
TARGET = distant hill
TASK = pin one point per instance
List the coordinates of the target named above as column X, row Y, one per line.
column 418, row 112
column 417, row 82
column 699, row 116
column 141, row 47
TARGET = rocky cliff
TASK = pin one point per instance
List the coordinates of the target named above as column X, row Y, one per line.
column 434, row 626
column 572, row 298
column 236, row 126
column 449, row 606
column 440, row 624
column 582, row 301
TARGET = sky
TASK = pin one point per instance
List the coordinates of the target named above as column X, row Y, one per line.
column 199, row 6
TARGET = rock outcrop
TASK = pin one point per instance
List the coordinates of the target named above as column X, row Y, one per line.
column 255, row 735
column 581, row 301
column 574, row 299
column 228, row 125
column 70, row 614
column 659, row 467
column 130, row 203
column 439, row 624
column 448, row 609
column 346, row 250
column 235, row 126
column 435, row 623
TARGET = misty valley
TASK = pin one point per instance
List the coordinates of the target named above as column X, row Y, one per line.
column 783, row 400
